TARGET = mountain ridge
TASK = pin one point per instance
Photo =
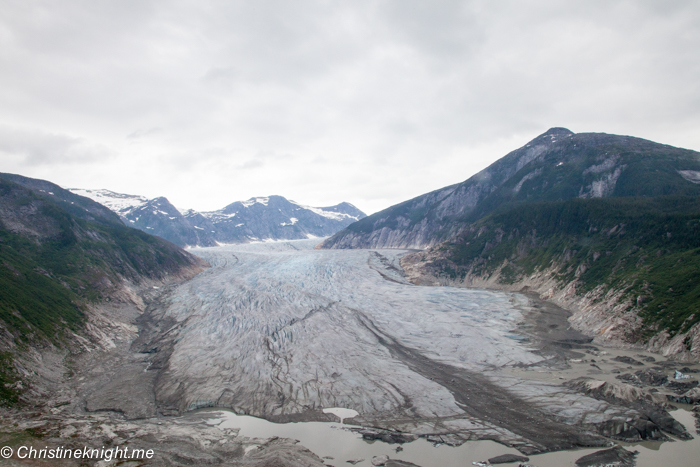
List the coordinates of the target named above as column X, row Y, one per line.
column 62, row 257
column 556, row 165
column 256, row 219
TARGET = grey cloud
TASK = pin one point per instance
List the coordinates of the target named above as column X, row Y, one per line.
column 251, row 164
column 37, row 148
column 143, row 133
column 250, row 93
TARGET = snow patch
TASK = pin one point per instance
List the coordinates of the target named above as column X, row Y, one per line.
column 258, row 200
column 117, row 202
column 336, row 216
column 292, row 221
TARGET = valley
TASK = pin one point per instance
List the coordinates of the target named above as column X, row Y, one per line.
column 281, row 331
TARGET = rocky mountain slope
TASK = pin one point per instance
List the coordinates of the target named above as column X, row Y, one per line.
column 557, row 165
column 61, row 255
column 260, row 218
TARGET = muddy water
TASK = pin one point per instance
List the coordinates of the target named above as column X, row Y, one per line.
column 336, row 441
column 337, row 444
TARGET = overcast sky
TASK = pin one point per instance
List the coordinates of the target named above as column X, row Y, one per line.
column 370, row 102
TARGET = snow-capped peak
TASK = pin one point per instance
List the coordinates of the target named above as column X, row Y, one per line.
column 337, row 216
column 117, row 202
column 257, row 200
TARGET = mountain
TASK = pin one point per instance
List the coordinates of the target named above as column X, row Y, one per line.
column 60, row 256
column 557, row 165
column 605, row 226
column 260, row 218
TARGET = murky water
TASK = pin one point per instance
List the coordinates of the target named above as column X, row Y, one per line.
column 337, row 444
column 336, row 441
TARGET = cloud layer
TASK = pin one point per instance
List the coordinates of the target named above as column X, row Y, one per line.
column 371, row 102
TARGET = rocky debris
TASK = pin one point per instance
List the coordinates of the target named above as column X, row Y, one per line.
column 655, row 417
column 646, row 377
column 389, row 437
column 651, row 377
column 380, row 460
column 630, row 378
column 646, row 358
column 690, row 397
column 617, row 456
column 130, row 392
column 507, row 458
column 627, row 360
column 686, row 369
column 354, row 461
column 680, row 387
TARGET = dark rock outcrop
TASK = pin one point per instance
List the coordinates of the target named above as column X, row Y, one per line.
column 628, row 360
column 616, row 456
column 508, row 458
